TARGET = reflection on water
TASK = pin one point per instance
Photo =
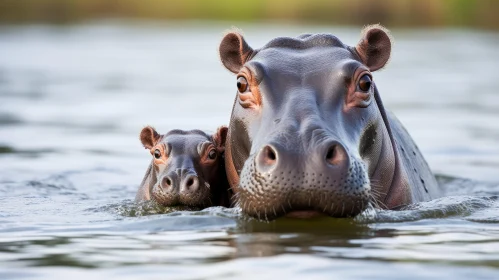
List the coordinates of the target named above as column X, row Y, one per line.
column 73, row 100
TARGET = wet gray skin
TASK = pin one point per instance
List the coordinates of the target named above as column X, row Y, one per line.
column 309, row 134
column 187, row 168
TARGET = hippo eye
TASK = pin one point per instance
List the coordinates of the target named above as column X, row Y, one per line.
column 212, row 154
column 157, row 154
column 365, row 83
column 242, row 84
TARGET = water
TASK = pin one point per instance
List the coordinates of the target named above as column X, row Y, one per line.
column 74, row 99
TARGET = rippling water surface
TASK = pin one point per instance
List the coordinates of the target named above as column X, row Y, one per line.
column 74, row 99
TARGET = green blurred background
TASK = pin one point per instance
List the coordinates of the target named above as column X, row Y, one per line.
column 483, row 14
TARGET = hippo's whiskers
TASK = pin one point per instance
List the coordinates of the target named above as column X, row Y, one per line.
column 332, row 205
column 375, row 196
column 236, row 202
column 373, row 200
column 283, row 209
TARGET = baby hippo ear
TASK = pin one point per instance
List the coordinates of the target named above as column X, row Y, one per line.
column 234, row 51
column 220, row 137
column 149, row 137
column 375, row 46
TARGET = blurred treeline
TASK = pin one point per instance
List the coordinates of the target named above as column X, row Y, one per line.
column 406, row 13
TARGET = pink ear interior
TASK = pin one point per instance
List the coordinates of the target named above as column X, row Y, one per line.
column 375, row 47
column 234, row 51
column 220, row 137
column 149, row 137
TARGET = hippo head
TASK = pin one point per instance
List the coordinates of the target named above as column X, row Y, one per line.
column 308, row 133
column 187, row 168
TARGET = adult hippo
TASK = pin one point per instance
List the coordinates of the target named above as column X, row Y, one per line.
column 309, row 134
column 187, row 168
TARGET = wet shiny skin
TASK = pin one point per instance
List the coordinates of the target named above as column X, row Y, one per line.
column 71, row 106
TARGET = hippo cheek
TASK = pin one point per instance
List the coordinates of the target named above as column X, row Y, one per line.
column 269, row 195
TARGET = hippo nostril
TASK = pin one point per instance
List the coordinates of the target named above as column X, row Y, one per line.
column 331, row 152
column 167, row 183
column 191, row 183
column 270, row 153
column 268, row 156
column 335, row 154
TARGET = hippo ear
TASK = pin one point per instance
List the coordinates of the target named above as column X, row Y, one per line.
column 234, row 51
column 220, row 137
column 375, row 46
column 149, row 137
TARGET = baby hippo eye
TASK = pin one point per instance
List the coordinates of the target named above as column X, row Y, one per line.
column 157, row 154
column 365, row 83
column 242, row 84
column 212, row 154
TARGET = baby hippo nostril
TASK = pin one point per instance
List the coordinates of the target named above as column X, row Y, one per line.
column 167, row 183
column 266, row 158
column 190, row 183
column 335, row 154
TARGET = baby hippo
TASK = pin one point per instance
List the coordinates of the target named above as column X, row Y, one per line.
column 187, row 168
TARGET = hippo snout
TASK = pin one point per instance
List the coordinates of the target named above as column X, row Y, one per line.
column 181, row 187
column 280, row 180
column 330, row 155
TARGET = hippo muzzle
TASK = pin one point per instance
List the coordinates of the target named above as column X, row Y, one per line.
column 275, row 182
column 181, row 185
